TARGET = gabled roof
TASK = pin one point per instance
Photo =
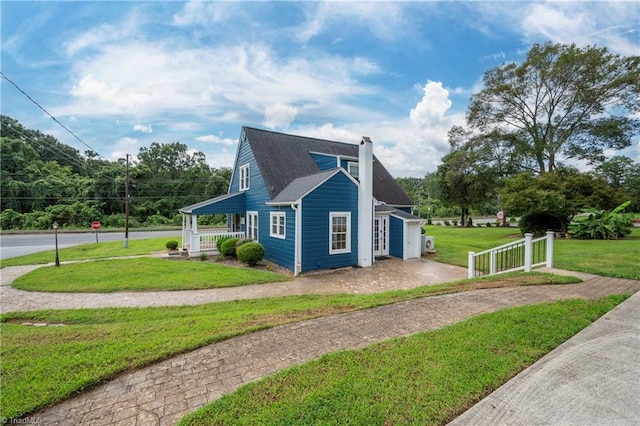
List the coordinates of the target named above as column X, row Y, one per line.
column 303, row 185
column 283, row 158
column 228, row 203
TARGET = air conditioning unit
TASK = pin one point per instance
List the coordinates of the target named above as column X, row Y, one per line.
column 429, row 244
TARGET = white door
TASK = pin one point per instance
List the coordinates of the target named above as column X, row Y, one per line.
column 381, row 236
column 252, row 225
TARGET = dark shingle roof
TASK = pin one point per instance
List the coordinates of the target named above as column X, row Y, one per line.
column 283, row 158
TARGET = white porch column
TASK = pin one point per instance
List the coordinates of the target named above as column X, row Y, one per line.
column 195, row 237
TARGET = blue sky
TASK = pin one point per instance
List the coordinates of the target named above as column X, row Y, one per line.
column 122, row 75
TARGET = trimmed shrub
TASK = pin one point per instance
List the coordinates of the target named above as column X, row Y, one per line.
column 221, row 240
column 228, row 247
column 243, row 241
column 539, row 223
column 171, row 245
column 250, row 253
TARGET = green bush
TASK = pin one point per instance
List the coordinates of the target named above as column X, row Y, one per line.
column 601, row 225
column 171, row 245
column 250, row 252
column 228, row 247
column 539, row 223
column 221, row 240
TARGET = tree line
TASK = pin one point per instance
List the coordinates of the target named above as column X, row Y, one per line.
column 523, row 131
column 43, row 180
column 527, row 126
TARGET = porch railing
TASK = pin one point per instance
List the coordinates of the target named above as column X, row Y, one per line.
column 521, row 255
column 205, row 240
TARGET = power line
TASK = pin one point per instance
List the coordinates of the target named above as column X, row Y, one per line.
column 48, row 147
column 52, row 117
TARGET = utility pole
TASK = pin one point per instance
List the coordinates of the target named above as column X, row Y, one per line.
column 125, row 243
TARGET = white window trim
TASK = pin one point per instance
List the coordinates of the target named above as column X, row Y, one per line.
column 248, row 232
column 350, row 164
column 276, row 216
column 244, row 177
column 347, row 249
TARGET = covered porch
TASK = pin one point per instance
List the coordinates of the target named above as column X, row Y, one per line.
column 196, row 241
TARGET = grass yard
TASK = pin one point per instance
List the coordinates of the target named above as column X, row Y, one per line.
column 615, row 258
column 425, row 379
column 43, row 365
column 141, row 274
column 91, row 251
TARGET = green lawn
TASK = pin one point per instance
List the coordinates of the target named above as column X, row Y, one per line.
column 141, row 274
column 92, row 251
column 616, row 258
column 42, row 365
column 425, row 379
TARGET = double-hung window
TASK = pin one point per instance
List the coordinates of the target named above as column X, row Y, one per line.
column 278, row 224
column 353, row 169
column 339, row 232
column 244, row 177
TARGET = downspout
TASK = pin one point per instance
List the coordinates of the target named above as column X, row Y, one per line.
column 297, row 246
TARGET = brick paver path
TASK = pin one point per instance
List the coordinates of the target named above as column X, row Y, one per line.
column 162, row 393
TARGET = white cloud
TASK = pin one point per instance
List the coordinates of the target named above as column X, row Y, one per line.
column 423, row 142
column 409, row 146
column 143, row 128
column 279, row 115
column 124, row 146
column 240, row 81
column 613, row 24
column 383, row 20
column 103, row 34
column 203, row 13
column 216, row 140
column 432, row 107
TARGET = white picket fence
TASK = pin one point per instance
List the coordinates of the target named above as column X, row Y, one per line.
column 521, row 255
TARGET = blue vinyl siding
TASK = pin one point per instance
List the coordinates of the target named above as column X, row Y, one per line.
column 325, row 162
column 275, row 250
column 396, row 237
column 278, row 250
column 338, row 194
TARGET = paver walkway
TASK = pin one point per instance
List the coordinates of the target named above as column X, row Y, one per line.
column 162, row 393
column 389, row 274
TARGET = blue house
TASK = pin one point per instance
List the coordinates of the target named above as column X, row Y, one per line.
column 312, row 203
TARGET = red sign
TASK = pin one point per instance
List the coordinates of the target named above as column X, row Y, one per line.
column 95, row 225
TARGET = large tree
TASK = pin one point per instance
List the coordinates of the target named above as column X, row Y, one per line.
column 562, row 100
column 469, row 173
column 561, row 194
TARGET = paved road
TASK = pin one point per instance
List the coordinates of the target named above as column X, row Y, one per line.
column 13, row 245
